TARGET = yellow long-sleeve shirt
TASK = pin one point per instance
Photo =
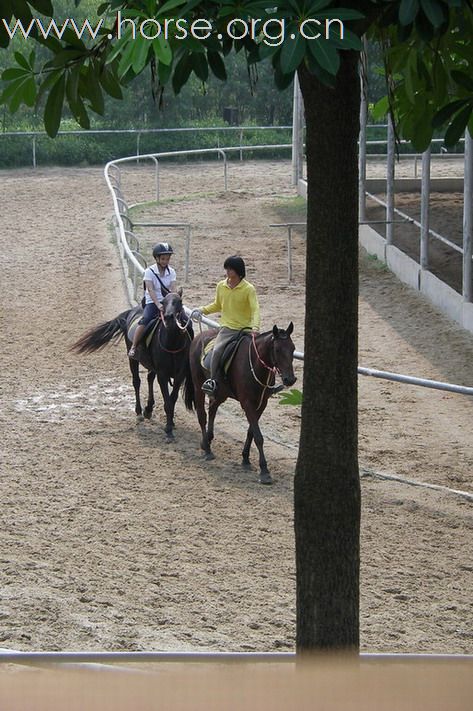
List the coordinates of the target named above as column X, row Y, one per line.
column 239, row 307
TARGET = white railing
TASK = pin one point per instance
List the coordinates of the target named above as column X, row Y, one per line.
column 139, row 132
column 133, row 262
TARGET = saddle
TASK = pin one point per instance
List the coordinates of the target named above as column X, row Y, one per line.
column 149, row 331
column 151, row 327
column 227, row 355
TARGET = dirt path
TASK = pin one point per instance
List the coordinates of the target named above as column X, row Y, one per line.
column 111, row 539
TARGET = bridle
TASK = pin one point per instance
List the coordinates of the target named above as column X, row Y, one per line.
column 271, row 370
column 181, row 327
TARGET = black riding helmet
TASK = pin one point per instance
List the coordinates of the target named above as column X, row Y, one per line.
column 162, row 248
column 237, row 264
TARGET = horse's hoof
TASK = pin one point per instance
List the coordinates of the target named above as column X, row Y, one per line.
column 265, row 478
column 148, row 414
column 209, row 456
column 170, row 438
column 246, row 464
column 140, row 418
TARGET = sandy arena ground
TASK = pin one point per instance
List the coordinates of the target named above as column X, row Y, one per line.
column 112, row 539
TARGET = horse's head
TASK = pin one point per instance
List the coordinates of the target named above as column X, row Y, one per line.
column 283, row 348
column 172, row 307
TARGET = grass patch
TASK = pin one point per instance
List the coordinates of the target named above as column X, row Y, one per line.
column 290, row 209
column 138, row 210
column 377, row 263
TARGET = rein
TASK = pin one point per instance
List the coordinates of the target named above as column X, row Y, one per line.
column 181, row 328
column 272, row 370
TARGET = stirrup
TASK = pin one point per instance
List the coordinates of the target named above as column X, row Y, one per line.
column 132, row 352
column 209, row 386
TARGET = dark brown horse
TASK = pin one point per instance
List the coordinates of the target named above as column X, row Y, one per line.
column 250, row 380
column 166, row 356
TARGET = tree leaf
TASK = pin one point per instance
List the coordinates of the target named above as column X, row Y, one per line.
column 181, row 73
column 45, row 7
column 110, row 84
column 200, row 66
column 164, row 73
column 292, row 397
column 433, row 11
column 72, row 84
column 80, row 113
column 350, row 41
column 339, row 13
column 457, row 128
column 162, row 50
column 92, row 90
column 447, row 111
column 462, row 79
column 325, row 54
column 408, row 10
column 13, row 73
column 126, row 59
column 422, row 130
column 53, row 107
column 139, row 54
column 170, row 5
column 217, row 65
column 316, row 6
column 380, row 109
column 22, row 61
column 29, row 91
column 292, row 52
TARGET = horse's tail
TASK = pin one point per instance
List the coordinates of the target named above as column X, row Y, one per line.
column 98, row 337
column 189, row 397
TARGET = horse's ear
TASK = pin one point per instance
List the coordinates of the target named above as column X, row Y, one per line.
column 275, row 331
column 290, row 329
column 180, row 292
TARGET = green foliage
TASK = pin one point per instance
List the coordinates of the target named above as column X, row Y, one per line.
column 429, row 62
column 291, row 397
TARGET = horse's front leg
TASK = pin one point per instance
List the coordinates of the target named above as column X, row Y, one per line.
column 168, row 406
column 150, row 404
column 213, row 407
column 134, row 367
column 246, row 449
column 252, row 416
column 202, row 418
column 173, row 398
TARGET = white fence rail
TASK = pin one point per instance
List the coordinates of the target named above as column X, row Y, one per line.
column 139, row 132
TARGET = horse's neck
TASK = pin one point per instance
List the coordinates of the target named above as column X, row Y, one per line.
column 170, row 335
column 263, row 346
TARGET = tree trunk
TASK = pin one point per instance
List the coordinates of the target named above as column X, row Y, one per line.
column 327, row 488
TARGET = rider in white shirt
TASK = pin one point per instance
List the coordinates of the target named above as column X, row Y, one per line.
column 159, row 280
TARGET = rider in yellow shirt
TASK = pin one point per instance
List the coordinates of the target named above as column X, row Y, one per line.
column 237, row 302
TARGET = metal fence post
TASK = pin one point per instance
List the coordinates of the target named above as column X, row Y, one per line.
column 362, row 138
column 390, row 183
column 468, row 219
column 424, row 210
column 289, row 254
column 34, row 151
column 187, row 253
